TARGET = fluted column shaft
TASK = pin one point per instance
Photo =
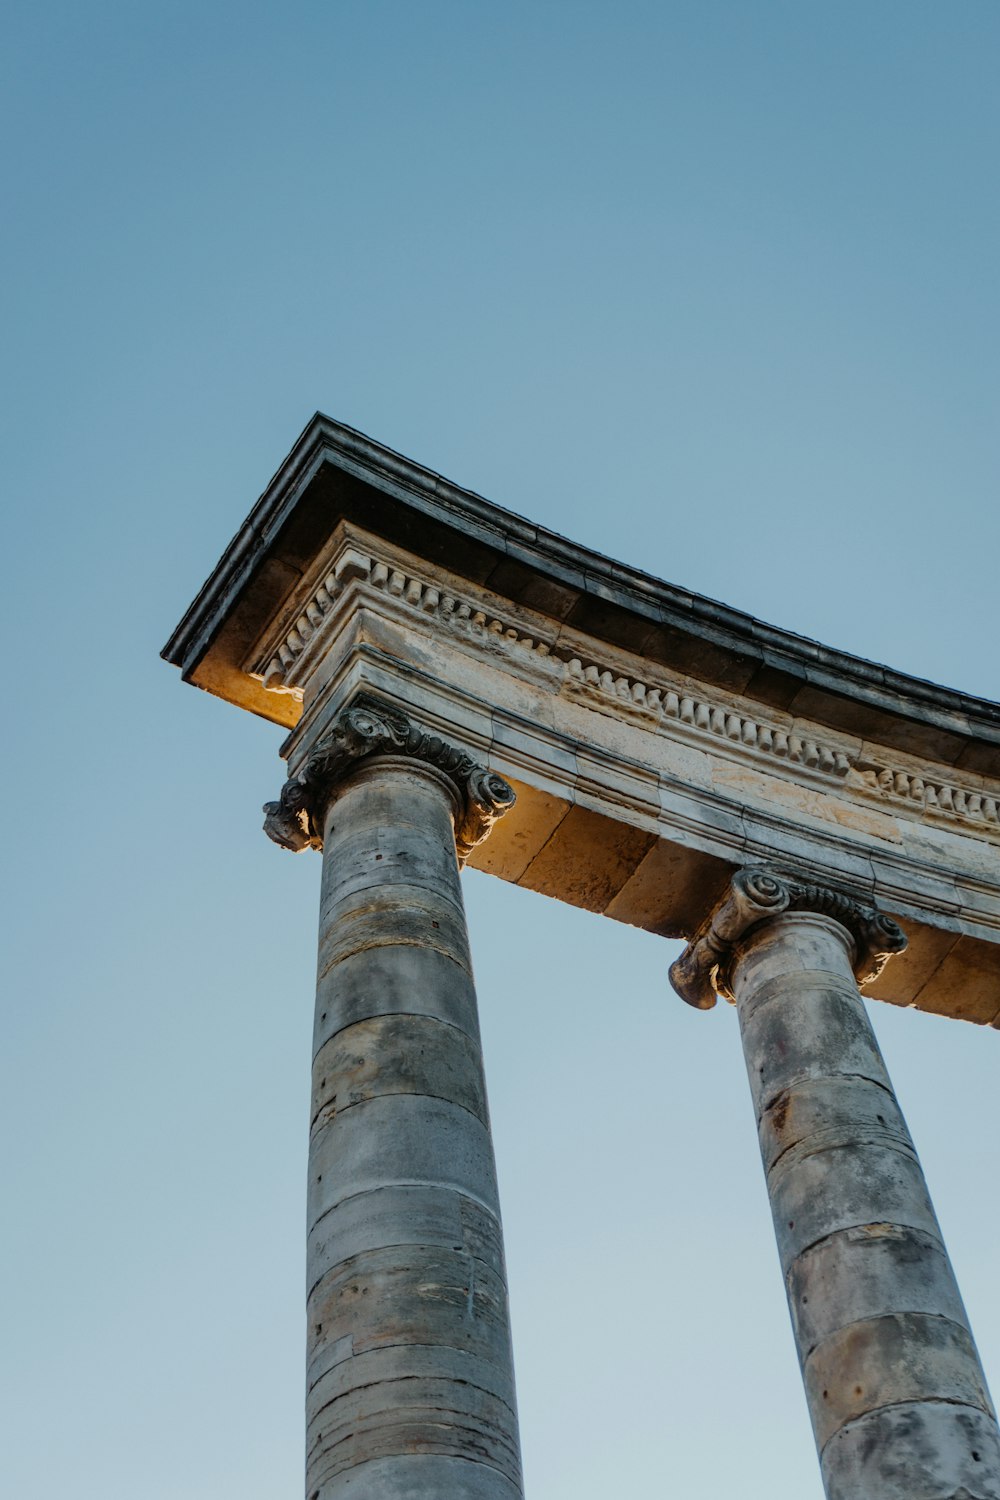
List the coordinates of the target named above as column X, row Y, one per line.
column 896, row 1392
column 410, row 1373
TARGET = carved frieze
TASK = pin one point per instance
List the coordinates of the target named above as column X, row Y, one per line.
column 757, row 894
column 281, row 670
column 370, row 727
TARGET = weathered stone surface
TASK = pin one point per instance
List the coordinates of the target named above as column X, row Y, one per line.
column 404, row 1214
column 408, row 1331
column 409, row 1294
column 398, row 916
column 793, row 1033
column 885, row 1361
column 881, row 1332
column 401, row 1138
column 526, row 829
column 647, row 900
column 374, row 727
column 421, row 1476
column 866, row 1272
column 381, row 979
column 758, row 894
column 400, row 1054
column 658, row 742
column 405, row 1362
column 568, row 862
column 926, row 1450
column 826, row 1113
column 842, row 1189
column 374, row 1423
column 383, row 856
column 964, row 985
column 355, row 1406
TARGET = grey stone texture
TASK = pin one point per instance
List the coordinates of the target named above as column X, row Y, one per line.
column 896, row 1392
column 423, row 647
column 410, row 1371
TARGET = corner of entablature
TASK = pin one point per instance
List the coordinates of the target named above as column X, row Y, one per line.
column 758, row 893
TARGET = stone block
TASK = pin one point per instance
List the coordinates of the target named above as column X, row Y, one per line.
column 587, row 860
column 398, row 1054
column 865, row 1272
column 398, row 1139
column 915, row 1449
column 888, row 1362
column 384, row 979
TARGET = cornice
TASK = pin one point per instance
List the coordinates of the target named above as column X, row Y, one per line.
column 283, row 662
column 306, row 499
column 368, row 728
column 757, row 895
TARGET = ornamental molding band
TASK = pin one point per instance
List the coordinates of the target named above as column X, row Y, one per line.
column 371, row 728
column 757, row 895
column 286, row 664
column 664, row 704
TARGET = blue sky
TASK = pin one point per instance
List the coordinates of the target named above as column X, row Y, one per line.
column 708, row 286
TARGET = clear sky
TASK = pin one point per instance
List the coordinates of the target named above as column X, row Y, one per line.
column 709, row 286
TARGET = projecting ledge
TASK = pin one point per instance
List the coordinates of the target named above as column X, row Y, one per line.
column 335, row 474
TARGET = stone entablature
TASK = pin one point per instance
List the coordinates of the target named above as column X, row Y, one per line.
column 578, row 667
column 656, row 741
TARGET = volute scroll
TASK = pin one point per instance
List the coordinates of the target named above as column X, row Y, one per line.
column 757, row 893
column 370, row 727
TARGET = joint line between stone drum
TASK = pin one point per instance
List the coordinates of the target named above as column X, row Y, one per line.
column 902, row 1312
column 464, row 1458
column 885, row 1142
column 394, row 942
column 403, row 1245
column 368, row 1385
column 381, row 885
column 910, row 1401
column 802, row 1078
column 444, row 1187
column 391, row 1015
column 402, row 1094
column 844, row 1228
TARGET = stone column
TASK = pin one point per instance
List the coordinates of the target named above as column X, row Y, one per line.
column 410, row 1372
column 896, row 1392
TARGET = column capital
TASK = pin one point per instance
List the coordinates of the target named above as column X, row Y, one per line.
column 369, row 727
column 757, row 894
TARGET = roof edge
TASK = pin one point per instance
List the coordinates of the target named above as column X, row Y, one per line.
column 325, row 440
